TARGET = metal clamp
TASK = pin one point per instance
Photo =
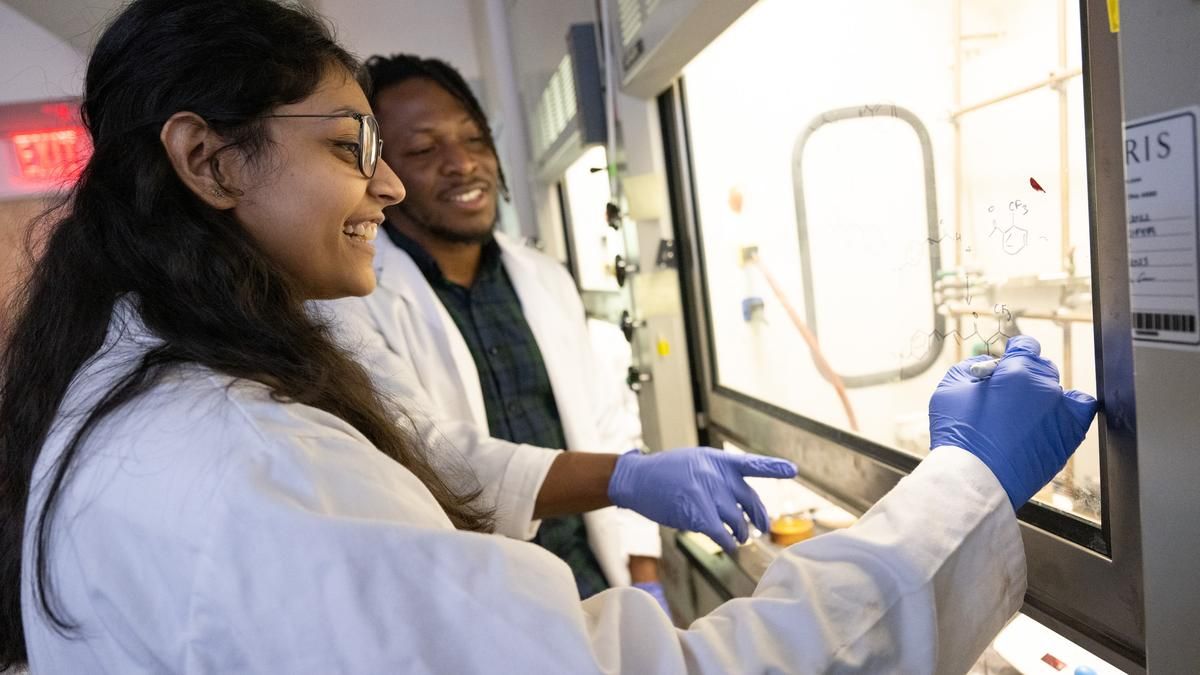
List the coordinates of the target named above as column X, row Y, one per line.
column 665, row 258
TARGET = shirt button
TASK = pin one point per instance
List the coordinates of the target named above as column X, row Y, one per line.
column 493, row 350
column 513, row 407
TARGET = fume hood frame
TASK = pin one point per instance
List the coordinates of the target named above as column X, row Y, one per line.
column 1085, row 582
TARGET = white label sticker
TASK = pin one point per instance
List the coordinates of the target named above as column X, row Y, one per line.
column 1161, row 202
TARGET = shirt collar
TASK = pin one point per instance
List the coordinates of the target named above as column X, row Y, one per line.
column 489, row 261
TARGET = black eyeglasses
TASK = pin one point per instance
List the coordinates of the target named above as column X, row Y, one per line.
column 370, row 145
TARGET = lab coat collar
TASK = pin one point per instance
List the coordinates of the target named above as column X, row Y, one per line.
column 398, row 273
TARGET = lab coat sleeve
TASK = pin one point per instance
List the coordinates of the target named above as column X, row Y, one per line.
column 921, row 584
column 510, row 474
column 329, row 562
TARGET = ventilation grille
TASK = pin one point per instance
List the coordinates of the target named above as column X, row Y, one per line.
column 556, row 107
column 631, row 14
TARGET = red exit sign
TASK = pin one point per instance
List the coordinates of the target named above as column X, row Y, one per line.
column 43, row 147
column 50, row 154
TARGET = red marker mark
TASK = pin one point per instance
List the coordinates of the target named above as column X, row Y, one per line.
column 1034, row 184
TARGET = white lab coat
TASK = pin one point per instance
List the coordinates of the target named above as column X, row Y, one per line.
column 208, row 528
column 407, row 340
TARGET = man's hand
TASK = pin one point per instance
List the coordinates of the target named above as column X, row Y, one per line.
column 698, row 489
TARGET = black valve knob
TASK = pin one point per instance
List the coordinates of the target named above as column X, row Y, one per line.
column 628, row 325
column 612, row 215
column 624, row 268
column 635, row 378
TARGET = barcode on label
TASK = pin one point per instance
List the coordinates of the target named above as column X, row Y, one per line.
column 1180, row 323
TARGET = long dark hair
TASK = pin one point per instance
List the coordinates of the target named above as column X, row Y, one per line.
column 387, row 71
column 130, row 226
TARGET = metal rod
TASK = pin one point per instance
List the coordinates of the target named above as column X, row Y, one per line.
column 1064, row 189
column 1041, row 84
column 1065, row 250
column 957, row 310
column 958, row 158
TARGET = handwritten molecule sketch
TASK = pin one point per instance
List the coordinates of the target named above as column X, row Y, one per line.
column 1013, row 238
column 957, row 236
column 1006, row 328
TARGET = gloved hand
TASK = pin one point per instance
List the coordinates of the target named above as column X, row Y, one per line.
column 655, row 589
column 1018, row 421
column 698, row 489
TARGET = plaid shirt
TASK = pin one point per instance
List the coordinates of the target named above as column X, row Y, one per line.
column 516, row 389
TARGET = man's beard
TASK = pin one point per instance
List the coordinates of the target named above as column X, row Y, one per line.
column 441, row 231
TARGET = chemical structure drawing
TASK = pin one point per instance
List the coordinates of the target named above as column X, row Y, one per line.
column 957, row 237
column 1013, row 238
column 920, row 342
column 914, row 254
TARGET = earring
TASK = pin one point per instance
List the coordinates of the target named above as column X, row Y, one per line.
column 217, row 191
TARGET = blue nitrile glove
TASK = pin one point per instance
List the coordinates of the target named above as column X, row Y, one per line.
column 698, row 489
column 1018, row 421
column 655, row 589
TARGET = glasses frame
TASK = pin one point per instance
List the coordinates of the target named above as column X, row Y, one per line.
column 367, row 124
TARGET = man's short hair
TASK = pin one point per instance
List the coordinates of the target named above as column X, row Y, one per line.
column 387, row 71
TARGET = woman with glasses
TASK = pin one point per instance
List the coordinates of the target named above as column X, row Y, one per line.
column 194, row 478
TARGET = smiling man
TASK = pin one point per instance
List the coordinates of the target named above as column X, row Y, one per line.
column 436, row 135
column 487, row 340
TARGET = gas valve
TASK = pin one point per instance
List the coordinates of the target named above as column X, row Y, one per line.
column 635, row 378
column 624, row 268
column 628, row 325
